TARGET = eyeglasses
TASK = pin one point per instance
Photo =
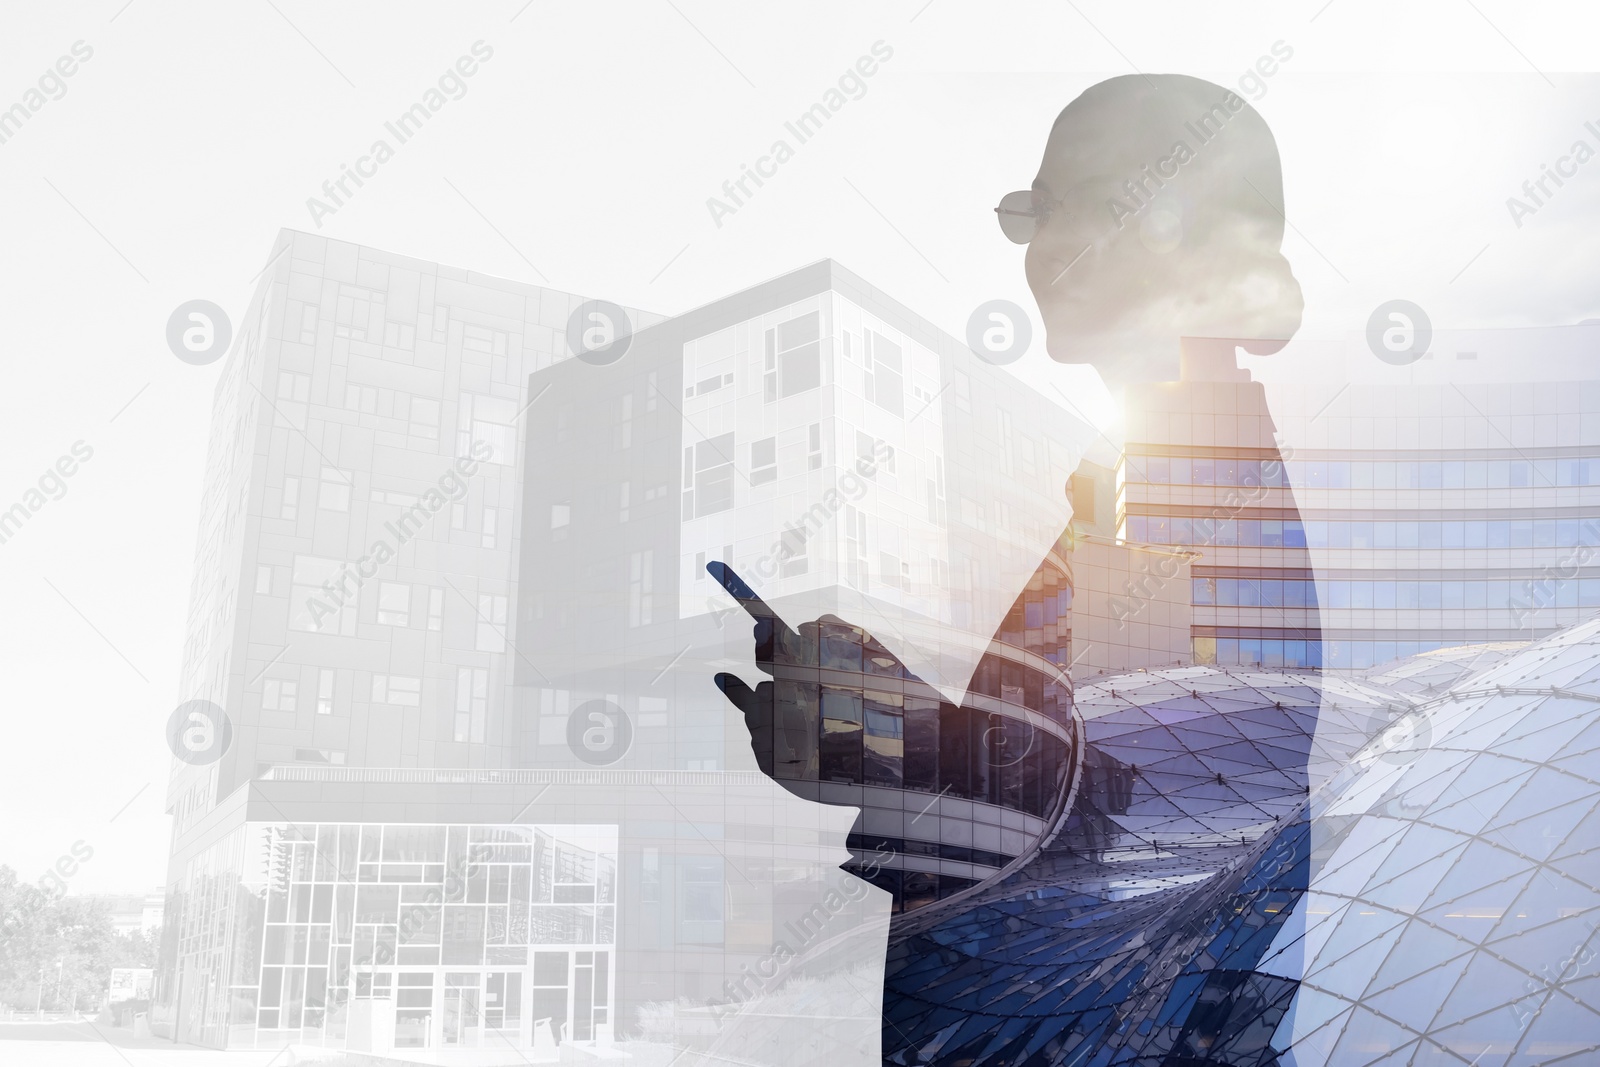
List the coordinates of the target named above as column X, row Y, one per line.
column 1023, row 214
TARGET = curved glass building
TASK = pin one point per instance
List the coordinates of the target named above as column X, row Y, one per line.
column 1433, row 902
column 1136, row 934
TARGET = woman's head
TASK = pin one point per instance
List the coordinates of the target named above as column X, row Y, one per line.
column 1157, row 214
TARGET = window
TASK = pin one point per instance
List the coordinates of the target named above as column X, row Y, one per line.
column 866, row 455
column 708, row 477
column 769, row 369
column 394, row 604
column 352, row 313
column 491, row 623
column 641, row 587
column 278, row 694
column 650, row 877
column 264, row 579
column 1081, row 494
column 436, row 609
column 322, row 596
column 308, row 324
column 399, row 334
column 764, row 461
column 855, row 546
column 794, row 356
column 886, row 385
column 841, row 733
column 363, row 398
column 489, row 419
column 294, row 387
column 894, row 570
column 792, row 550
column 290, row 508
column 396, row 689
column 702, row 899
column 319, row 755
column 884, row 740
column 814, row 457
column 325, row 692
column 472, row 703
column 424, row 417
column 414, row 1002
column 560, row 519
column 921, row 745
column 708, row 385
column 491, row 526
column 484, row 340
column 333, row 493
column 458, row 515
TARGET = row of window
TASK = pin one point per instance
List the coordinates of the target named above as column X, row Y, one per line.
column 1339, row 655
column 421, row 413
column 359, row 313
column 911, row 890
column 396, row 604
column 882, row 846
column 461, row 931
column 1260, row 652
column 1365, row 474
column 331, row 852
column 490, row 420
column 399, row 690
column 325, row 595
column 1341, row 533
column 842, row 647
column 333, row 494
column 315, row 1002
column 792, row 363
column 1039, row 621
column 872, row 737
column 708, row 466
column 1397, row 593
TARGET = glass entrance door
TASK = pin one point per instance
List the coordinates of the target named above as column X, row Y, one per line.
column 463, row 1010
column 502, row 1005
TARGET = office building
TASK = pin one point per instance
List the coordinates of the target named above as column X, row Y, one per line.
column 1445, row 503
column 350, row 605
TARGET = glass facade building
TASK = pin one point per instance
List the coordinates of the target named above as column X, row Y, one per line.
column 356, row 556
column 404, row 936
column 1450, row 505
column 1292, row 867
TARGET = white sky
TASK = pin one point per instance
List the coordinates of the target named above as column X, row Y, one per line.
column 591, row 141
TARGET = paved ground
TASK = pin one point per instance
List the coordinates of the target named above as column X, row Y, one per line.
column 88, row 1044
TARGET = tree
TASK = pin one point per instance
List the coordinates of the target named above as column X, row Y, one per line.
column 68, row 941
